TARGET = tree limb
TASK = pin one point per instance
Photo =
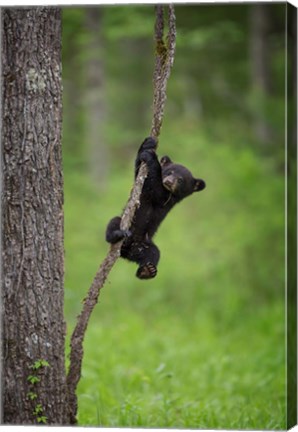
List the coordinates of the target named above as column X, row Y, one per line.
column 164, row 58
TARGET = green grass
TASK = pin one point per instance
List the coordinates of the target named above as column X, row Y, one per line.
column 168, row 372
column 202, row 345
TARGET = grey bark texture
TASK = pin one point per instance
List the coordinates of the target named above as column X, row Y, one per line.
column 33, row 328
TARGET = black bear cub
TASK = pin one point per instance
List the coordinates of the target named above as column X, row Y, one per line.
column 166, row 184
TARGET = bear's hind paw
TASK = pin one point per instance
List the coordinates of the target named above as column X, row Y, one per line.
column 147, row 271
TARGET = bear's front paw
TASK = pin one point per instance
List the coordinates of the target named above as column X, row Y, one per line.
column 149, row 144
column 146, row 155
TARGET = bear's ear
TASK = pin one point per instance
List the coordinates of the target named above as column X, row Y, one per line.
column 199, row 185
column 165, row 160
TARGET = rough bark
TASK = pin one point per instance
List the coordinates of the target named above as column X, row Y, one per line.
column 32, row 218
column 164, row 60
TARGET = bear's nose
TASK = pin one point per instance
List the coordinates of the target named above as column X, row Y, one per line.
column 169, row 182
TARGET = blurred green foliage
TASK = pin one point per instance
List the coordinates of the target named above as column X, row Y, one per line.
column 202, row 345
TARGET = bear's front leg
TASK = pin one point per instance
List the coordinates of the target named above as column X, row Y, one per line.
column 147, row 154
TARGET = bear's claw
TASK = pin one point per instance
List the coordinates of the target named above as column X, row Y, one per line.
column 147, row 271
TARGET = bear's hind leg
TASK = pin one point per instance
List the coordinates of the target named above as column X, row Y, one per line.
column 146, row 271
column 145, row 253
column 148, row 262
column 113, row 232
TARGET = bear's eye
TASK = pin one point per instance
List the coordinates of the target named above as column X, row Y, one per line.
column 168, row 173
column 180, row 180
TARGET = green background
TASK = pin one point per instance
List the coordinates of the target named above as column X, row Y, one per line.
column 203, row 344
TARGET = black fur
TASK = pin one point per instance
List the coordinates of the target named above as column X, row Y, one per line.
column 166, row 184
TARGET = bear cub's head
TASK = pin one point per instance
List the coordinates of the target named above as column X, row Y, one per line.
column 178, row 179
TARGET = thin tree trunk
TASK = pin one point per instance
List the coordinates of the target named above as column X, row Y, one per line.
column 33, row 370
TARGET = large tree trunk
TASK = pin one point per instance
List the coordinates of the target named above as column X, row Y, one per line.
column 32, row 215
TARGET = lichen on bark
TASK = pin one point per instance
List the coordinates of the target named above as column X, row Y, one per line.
column 32, row 214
